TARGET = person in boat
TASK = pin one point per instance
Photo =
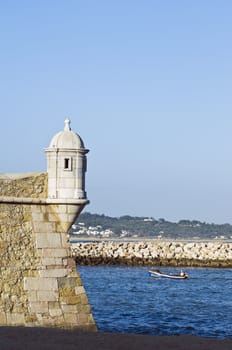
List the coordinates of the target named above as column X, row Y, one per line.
column 182, row 273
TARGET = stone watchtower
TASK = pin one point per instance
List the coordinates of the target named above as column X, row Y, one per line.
column 39, row 283
column 66, row 165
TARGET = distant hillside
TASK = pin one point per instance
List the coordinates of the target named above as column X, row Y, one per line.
column 97, row 225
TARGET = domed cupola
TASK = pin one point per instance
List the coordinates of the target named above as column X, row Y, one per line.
column 66, row 165
column 67, row 138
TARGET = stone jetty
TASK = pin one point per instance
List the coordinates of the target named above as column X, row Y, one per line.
column 161, row 253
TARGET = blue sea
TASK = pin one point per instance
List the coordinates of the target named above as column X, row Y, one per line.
column 127, row 300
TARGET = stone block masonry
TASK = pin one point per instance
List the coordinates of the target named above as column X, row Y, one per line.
column 39, row 284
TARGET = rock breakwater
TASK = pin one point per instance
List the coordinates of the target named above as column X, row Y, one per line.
column 162, row 253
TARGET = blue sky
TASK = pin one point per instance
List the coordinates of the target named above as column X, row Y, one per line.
column 147, row 85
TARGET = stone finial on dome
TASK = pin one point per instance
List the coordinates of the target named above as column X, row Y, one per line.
column 67, row 125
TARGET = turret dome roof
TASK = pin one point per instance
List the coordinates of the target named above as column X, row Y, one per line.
column 67, row 138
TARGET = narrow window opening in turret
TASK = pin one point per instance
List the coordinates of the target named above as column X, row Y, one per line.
column 67, row 164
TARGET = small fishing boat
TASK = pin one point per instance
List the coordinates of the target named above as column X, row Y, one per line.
column 157, row 273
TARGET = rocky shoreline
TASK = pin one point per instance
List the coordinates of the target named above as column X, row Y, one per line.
column 154, row 253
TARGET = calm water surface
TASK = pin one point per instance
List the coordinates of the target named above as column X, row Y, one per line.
column 126, row 299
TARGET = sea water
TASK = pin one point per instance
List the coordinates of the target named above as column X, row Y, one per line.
column 126, row 299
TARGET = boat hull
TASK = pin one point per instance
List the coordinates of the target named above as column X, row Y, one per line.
column 159, row 274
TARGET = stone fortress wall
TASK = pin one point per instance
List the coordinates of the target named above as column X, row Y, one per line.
column 39, row 284
column 154, row 252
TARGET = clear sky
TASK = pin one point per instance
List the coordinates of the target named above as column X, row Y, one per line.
column 147, row 85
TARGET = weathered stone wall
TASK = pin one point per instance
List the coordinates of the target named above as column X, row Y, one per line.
column 212, row 254
column 32, row 185
column 19, row 258
column 39, row 284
